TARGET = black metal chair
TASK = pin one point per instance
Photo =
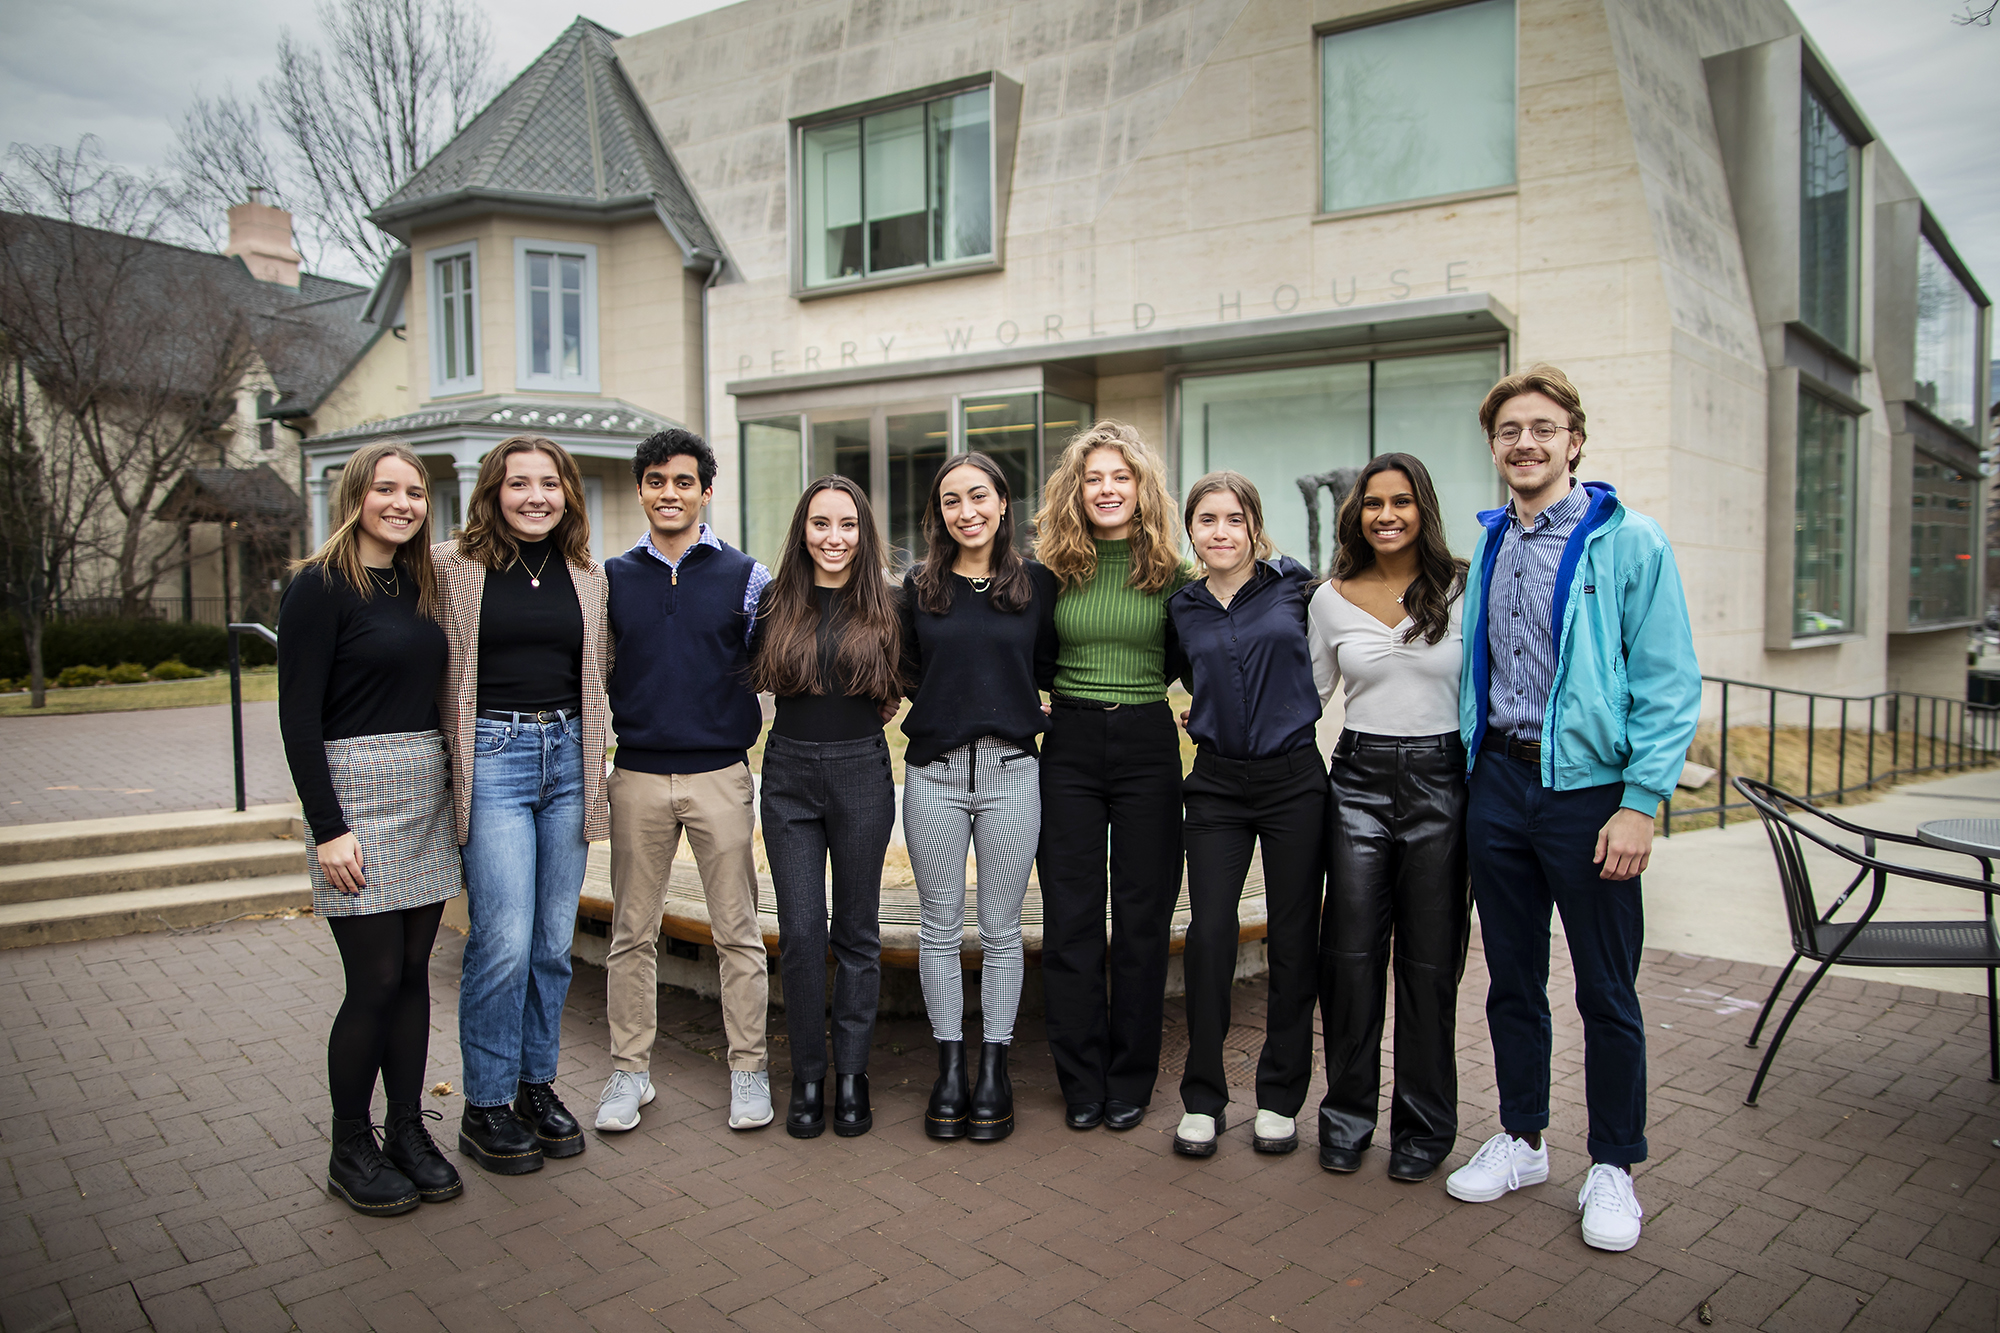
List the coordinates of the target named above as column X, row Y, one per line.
column 1865, row 942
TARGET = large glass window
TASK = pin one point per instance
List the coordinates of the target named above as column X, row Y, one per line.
column 1419, row 106
column 918, row 443
column 1823, row 541
column 1024, row 433
column 1829, row 225
column 899, row 190
column 1947, row 364
column 1301, row 433
column 1942, row 502
column 454, row 292
column 772, row 460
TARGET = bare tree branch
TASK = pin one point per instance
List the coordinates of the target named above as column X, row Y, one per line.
column 1977, row 15
column 220, row 155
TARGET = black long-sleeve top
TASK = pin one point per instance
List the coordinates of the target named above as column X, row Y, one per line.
column 976, row 670
column 836, row 713
column 349, row 667
column 531, row 638
column 1249, row 665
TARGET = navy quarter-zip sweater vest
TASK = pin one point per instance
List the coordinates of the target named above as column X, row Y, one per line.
column 680, row 682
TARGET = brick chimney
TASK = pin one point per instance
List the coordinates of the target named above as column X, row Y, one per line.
column 262, row 236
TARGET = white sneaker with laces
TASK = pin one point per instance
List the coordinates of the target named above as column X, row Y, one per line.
column 749, row 1098
column 1611, row 1210
column 618, row 1105
column 1502, row 1164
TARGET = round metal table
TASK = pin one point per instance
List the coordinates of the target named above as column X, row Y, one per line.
column 1979, row 837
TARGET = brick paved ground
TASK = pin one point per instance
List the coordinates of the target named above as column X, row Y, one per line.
column 96, row 765
column 162, row 1117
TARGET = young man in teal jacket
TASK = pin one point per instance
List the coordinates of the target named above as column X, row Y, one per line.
column 1577, row 701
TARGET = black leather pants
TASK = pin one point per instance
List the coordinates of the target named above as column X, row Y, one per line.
column 1397, row 864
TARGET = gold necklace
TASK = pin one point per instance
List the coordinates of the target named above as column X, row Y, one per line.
column 393, row 586
column 535, row 575
column 1385, row 585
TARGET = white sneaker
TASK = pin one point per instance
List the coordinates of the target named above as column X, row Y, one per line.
column 1275, row 1133
column 618, row 1105
column 749, row 1098
column 1503, row 1163
column 1611, row 1210
column 1196, row 1135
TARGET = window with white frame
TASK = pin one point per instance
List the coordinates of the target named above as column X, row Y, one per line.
column 555, row 315
column 898, row 191
column 454, row 299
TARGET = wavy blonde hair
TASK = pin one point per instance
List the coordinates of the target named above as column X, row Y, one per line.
column 1062, row 530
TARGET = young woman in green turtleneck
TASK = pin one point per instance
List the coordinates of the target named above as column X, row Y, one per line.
column 1111, row 766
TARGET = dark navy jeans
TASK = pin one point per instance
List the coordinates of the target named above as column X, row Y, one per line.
column 1530, row 851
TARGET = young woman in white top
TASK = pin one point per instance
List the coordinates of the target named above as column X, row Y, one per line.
column 1388, row 624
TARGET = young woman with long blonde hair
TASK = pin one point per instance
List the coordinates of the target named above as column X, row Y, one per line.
column 523, row 703
column 359, row 655
column 1111, row 766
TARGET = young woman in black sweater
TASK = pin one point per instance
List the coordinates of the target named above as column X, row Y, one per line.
column 827, row 644
column 979, row 642
column 359, row 656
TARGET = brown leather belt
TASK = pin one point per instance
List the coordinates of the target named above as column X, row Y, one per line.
column 1498, row 743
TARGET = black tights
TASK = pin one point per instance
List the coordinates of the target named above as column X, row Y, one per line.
column 385, row 1021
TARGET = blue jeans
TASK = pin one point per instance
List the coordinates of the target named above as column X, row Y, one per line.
column 524, row 857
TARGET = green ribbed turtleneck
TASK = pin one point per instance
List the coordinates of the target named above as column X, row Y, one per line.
column 1113, row 637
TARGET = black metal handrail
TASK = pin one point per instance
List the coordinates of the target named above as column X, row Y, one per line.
column 1926, row 733
column 270, row 636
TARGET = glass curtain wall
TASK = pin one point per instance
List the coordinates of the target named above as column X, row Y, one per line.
column 1006, row 428
column 772, row 461
column 1823, row 548
column 1829, row 226
column 918, row 443
column 1942, row 501
column 898, row 190
column 1301, row 433
column 1418, row 107
column 1947, row 325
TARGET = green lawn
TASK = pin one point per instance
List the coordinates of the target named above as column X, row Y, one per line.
column 260, row 685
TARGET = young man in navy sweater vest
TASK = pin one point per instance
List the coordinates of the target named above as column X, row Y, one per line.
column 682, row 602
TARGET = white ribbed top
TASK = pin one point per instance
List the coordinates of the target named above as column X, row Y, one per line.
column 1393, row 688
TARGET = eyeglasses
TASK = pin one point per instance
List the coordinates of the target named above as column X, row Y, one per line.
column 1541, row 431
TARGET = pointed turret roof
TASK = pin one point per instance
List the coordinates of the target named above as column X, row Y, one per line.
column 570, row 134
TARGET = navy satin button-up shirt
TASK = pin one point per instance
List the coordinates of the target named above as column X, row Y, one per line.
column 1249, row 665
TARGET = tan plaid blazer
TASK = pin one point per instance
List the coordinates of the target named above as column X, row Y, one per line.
column 462, row 585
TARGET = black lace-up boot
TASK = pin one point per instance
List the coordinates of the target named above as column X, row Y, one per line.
column 555, row 1128
column 408, row 1145
column 358, row 1174
column 499, row 1140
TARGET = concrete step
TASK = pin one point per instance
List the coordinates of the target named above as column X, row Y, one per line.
column 99, row 916
column 23, row 844
column 87, row 876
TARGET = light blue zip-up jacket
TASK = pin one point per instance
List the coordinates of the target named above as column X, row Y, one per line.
column 1627, row 689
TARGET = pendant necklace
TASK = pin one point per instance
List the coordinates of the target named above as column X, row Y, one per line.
column 1385, row 584
column 535, row 575
column 979, row 584
column 393, row 586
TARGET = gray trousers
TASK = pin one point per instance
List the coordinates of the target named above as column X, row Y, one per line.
column 988, row 794
column 828, row 803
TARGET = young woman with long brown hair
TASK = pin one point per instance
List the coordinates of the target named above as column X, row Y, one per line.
column 1111, row 766
column 1257, row 779
column 359, row 656
column 1388, row 624
column 827, row 643
column 523, row 704
column 979, row 643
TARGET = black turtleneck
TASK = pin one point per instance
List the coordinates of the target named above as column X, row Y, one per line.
column 530, row 638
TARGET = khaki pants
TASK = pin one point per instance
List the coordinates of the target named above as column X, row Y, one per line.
column 648, row 812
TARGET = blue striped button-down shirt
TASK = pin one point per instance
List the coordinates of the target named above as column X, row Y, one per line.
column 1520, row 599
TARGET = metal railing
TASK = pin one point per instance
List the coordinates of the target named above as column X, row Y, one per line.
column 1859, row 742
column 270, row 636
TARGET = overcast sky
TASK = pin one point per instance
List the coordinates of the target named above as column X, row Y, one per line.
column 124, row 69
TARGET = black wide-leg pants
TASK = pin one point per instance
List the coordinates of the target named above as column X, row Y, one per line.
column 1396, row 868
column 1231, row 805
column 1115, row 772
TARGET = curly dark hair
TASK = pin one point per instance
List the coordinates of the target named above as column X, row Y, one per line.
column 672, row 442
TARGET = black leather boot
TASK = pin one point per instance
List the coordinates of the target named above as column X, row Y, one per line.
column 851, row 1116
column 945, row 1119
column 992, row 1114
column 555, row 1128
column 358, row 1173
column 408, row 1146
column 499, row 1141
column 806, row 1117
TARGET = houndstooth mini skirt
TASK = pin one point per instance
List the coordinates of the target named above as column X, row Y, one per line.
column 395, row 790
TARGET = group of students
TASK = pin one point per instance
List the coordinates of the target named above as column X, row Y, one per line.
column 451, row 706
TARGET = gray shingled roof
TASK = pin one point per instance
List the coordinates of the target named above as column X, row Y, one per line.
column 592, row 418
column 570, row 131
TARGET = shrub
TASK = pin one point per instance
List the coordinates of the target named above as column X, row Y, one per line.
column 175, row 669
column 73, row 677
column 67, row 643
column 126, row 673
